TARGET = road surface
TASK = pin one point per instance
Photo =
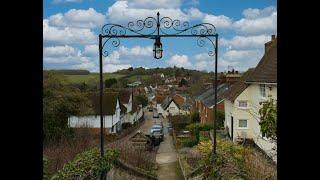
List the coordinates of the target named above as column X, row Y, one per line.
column 169, row 168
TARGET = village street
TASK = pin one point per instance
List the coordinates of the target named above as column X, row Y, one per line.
column 166, row 157
column 169, row 168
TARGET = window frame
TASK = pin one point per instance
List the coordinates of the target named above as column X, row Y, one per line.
column 241, row 101
column 264, row 95
column 239, row 124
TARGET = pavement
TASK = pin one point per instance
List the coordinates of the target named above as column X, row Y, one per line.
column 166, row 158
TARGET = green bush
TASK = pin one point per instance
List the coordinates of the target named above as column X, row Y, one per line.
column 88, row 165
column 126, row 125
column 46, row 175
column 190, row 142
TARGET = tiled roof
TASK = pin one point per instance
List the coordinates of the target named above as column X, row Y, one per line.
column 209, row 101
column 124, row 95
column 178, row 99
column 236, row 89
column 159, row 99
column 109, row 103
column 266, row 70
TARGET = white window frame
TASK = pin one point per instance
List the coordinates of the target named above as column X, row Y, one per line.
column 242, row 106
column 243, row 127
column 263, row 86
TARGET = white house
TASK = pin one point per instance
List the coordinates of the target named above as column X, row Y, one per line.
column 112, row 112
column 169, row 106
column 243, row 100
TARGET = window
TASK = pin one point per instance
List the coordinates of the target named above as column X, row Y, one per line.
column 243, row 123
column 242, row 103
column 263, row 90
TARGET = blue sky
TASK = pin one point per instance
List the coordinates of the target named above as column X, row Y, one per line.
column 71, row 29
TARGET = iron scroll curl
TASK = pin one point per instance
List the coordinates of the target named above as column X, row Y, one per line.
column 152, row 27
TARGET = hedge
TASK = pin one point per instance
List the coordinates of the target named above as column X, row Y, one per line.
column 88, row 165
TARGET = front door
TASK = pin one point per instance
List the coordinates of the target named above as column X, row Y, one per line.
column 232, row 128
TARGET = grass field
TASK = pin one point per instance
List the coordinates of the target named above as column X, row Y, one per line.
column 90, row 77
column 139, row 77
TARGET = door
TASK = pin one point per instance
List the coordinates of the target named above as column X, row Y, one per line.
column 232, row 128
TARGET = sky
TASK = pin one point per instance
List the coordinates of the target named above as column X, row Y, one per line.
column 71, row 29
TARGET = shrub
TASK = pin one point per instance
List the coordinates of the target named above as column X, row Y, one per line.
column 126, row 125
column 195, row 117
column 190, row 142
column 88, row 165
column 46, row 175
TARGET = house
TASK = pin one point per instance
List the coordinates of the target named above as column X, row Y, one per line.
column 204, row 103
column 183, row 103
column 243, row 100
column 158, row 101
column 112, row 112
column 162, row 75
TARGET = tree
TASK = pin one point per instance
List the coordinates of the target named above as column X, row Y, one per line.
column 141, row 99
column 183, row 82
column 220, row 119
column 110, row 82
column 268, row 119
column 195, row 117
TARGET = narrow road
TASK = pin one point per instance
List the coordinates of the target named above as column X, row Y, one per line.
column 169, row 168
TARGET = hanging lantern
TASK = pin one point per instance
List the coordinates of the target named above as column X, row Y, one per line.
column 157, row 49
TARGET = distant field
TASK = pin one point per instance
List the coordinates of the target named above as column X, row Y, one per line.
column 138, row 77
column 89, row 77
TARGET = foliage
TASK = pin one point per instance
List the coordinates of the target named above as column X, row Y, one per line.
column 126, row 125
column 195, row 117
column 88, row 165
column 59, row 102
column 189, row 142
column 109, row 82
column 183, row 82
column 268, row 119
column 46, row 175
column 141, row 99
column 195, row 129
column 179, row 122
column 220, row 119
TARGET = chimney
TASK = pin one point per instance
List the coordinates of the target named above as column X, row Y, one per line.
column 267, row 44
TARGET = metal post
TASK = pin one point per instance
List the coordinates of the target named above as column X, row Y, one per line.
column 215, row 97
column 102, row 176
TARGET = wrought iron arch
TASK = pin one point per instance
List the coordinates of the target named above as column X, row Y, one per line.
column 156, row 28
column 152, row 28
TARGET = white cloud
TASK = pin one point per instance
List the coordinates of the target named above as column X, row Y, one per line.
column 245, row 42
column 59, row 51
column 115, row 67
column 91, row 50
column 179, row 61
column 257, row 22
column 124, row 11
column 240, row 55
column 67, row 35
column 78, row 18
column 153, row 4
column 136, row 51
column 258, row 13
column 220, row 22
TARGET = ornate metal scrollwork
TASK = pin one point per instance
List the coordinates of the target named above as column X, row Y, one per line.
column 154, row 27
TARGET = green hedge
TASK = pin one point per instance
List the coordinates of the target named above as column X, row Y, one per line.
column 87, row 165
column 190, row 142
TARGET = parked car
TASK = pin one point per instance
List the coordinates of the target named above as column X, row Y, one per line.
column 157, row 131
column 150, row 108
column 155, row 114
